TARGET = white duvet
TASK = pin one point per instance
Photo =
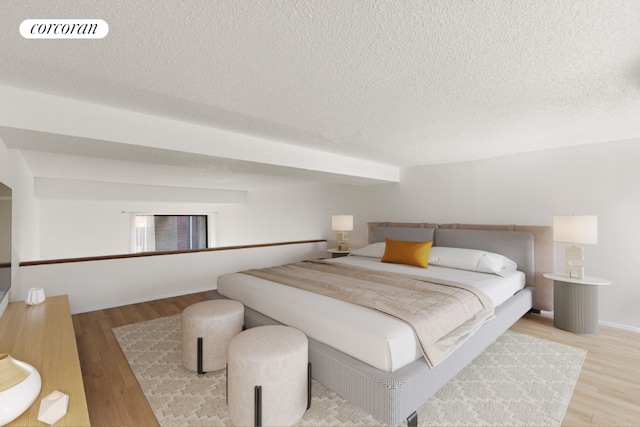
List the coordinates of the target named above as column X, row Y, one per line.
column 379, row 340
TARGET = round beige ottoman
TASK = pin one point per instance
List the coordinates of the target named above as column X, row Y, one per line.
column 268, row 376
column 207, row 328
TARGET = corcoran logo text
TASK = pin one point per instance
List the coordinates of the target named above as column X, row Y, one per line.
column 64, row 29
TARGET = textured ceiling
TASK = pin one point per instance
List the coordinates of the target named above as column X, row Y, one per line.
column 396, row 82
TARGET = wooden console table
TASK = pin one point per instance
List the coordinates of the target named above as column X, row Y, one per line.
column 43, row 337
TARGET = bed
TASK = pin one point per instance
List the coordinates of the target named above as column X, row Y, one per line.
column 374, row 360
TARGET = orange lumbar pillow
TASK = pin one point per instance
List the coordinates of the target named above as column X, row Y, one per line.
column 410, row 253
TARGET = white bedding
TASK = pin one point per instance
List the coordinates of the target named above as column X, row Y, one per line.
column 377, row 339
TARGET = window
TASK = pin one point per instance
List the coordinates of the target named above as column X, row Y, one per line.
column 159, row 233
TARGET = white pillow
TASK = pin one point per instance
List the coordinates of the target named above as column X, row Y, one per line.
column 472, row 259
column 374, row 250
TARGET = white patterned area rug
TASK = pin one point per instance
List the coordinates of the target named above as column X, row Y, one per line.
column 518, row 381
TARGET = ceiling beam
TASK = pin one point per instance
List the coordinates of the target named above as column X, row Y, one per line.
column 41, row 112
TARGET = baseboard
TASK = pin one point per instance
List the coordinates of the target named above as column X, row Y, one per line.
column 619, row 326
column 601, row 323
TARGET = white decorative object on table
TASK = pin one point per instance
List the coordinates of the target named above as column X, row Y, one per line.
column 20, row 385
column 53, row 407
column 35, row 296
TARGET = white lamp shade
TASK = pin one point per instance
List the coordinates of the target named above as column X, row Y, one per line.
column 342, row 222
column 576, row 229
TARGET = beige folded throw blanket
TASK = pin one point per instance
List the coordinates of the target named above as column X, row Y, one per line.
column 443, row 314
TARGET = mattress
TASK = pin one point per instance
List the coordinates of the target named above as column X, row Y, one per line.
column 381, row 341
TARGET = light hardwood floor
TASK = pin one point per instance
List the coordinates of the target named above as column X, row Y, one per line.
column 608, row 389
column 607, row 392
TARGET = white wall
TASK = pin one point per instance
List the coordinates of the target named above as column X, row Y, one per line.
column 80, row 228
column 297, row 212
column 93, row 285
column 15, row 174
column 70, row 227
column 530, row 188
column 5, row 229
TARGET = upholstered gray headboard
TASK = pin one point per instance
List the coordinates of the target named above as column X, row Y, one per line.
column 378, row 234
column 531, row 247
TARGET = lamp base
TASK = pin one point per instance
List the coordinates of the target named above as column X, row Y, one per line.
column 574, row 271
column 572, row 268
column 343, row 243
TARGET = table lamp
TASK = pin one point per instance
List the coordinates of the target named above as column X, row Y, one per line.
column 342, row 224
column 575, row 229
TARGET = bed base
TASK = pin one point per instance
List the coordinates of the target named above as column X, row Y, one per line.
column 393, row 397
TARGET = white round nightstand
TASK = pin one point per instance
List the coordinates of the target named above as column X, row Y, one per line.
column 575, row 303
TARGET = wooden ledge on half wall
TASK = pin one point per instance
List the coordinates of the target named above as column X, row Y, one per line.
column 148, row 254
